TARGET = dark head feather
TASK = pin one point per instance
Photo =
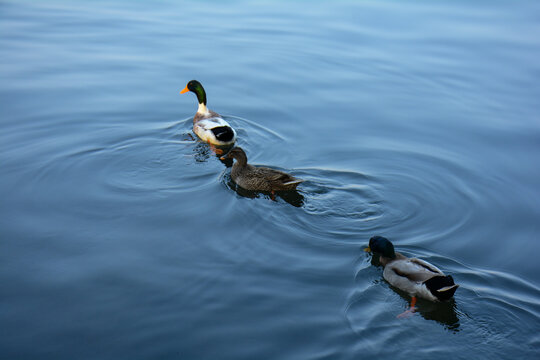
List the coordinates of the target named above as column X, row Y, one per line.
column 383, row 246
column 197, row 88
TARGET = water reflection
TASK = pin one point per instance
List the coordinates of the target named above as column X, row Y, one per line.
column 442, row 312
column 202, row 152
column 418, row 120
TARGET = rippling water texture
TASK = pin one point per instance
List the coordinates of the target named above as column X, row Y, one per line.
column 123, row 237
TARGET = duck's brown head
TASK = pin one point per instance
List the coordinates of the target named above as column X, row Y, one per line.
column 238, row 154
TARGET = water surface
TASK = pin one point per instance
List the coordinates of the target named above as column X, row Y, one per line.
column 122, row 237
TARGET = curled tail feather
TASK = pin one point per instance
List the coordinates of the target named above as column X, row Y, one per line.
column 223, row 133
column 294, row 182
column 442, row 287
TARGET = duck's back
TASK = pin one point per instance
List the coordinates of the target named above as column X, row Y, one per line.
column 213, row 129
column 413, row 269
column 410, row 274
column 262, row 178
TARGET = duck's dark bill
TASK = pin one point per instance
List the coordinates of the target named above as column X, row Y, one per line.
column 367, row 249
column 184, row 90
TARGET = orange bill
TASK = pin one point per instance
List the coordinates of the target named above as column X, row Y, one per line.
column 184, row 90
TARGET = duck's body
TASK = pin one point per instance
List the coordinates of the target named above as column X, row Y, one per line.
column 419, row 278
column 256, row 178
column 262, row 178
column 213, row 129
column 414, row 276
column 207, row 124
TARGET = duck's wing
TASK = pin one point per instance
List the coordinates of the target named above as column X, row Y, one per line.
column 274, row 175
column 414, row 269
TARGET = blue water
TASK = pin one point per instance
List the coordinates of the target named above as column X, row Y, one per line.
column 121, row 237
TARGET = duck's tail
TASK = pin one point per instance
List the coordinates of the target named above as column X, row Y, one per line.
column 223, row 133
column 442, row 287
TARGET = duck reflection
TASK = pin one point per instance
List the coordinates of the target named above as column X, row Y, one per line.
column 445, row 313
column 203, row 152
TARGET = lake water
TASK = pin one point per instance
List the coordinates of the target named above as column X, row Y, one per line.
column 123, row 238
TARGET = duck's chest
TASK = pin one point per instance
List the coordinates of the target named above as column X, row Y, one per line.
column 236, row 172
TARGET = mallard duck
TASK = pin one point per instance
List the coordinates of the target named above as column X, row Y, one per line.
column 207, row 124
column 414, row 276
column 254, row 178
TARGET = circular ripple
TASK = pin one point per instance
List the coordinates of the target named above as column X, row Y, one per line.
column 152, row 158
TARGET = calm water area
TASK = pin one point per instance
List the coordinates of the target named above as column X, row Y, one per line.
column 123, row 237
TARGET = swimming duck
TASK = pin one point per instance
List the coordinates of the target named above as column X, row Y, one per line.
column 207, row 124
column 414, row 276
column 254, row 178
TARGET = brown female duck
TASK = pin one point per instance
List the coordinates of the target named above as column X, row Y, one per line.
column 254, row 178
